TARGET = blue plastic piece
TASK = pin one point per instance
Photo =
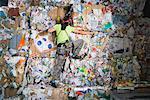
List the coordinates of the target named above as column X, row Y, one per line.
column 39, row 43
column 49, row 46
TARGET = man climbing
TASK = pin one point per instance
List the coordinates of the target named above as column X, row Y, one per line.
column 64, row 44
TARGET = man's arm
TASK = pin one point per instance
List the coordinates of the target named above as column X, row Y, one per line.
column 47, row 31
column 51, row 30
column 83, row 32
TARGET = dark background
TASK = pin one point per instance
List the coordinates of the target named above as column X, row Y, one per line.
column 146, row 10
column 3, row 3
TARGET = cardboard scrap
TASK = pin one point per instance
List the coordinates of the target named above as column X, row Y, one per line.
column 57, row 12
column 45, row 39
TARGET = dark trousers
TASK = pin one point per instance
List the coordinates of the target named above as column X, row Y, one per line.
column 64, row 50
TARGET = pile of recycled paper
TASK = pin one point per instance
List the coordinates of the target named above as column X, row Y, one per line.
column 112, row 53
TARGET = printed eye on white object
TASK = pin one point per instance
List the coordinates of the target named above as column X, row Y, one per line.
column 43, row 43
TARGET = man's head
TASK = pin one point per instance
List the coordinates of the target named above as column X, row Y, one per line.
column 65, row 22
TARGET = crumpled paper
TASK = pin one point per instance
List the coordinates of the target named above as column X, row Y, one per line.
column 115, row 23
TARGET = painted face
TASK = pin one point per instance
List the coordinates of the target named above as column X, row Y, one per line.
column 43, row 43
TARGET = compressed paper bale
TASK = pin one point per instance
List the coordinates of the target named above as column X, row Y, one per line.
column 39, row 69
column 127, row 69
column 94, row 17
column 44, row 19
